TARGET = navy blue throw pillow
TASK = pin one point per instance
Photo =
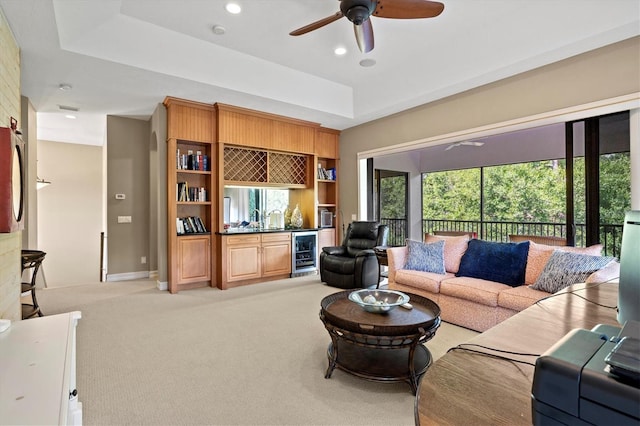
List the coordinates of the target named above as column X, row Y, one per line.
column 500, row 262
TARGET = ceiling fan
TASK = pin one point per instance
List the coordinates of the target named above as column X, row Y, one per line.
column 464, row 143
column 359, row 12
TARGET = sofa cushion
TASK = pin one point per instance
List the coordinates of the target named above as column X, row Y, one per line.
column 473, row 289
column 493, row 261
column 427, row 281
column 425, row 257
column 519, row 298
column 566, row 268
column 454, row 248
column 539, row 255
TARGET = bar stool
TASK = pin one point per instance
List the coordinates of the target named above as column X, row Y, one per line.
column 31, row 259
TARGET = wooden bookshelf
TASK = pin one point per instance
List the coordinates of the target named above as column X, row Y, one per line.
column 192, row 194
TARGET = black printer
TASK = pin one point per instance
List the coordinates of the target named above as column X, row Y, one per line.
column 589, row 377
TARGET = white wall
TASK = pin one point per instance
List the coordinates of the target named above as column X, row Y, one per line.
column 407, row 162
column 70, row 212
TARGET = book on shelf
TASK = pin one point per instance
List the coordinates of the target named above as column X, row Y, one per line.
column 331, row 173
column 326, row 174
column 185, row 193
column 190, row 225
column 191, row 161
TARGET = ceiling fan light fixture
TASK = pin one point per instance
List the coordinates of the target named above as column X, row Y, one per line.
column 358, row 14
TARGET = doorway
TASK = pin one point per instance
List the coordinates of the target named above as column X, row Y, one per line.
column 391, row 202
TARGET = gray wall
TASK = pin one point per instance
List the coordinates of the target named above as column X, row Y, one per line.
column 128, row 173
column 158, row 183
column 600, row 74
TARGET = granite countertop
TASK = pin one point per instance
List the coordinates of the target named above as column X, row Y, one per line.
column 248, row 230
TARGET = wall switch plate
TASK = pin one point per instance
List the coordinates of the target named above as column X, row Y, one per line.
column 124, row 219
column 143, row 259
column 120, row 196
column 354, row 217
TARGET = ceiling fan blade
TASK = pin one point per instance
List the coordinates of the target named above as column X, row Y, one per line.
column 364, row 36
column 317, row 24
column 408, row 9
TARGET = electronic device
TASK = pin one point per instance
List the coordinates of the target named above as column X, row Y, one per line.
column 629, row 282
column 326, row 219
column 588, row 378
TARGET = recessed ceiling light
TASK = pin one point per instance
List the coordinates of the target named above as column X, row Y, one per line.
column 367, row 63
column 64, row 87
column 233, row 8
column 71, row 117
column 340, row 51
column 218, row 29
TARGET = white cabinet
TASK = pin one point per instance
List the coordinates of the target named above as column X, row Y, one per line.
column 38, row 371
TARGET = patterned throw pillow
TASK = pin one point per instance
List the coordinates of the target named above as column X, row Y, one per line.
column 425, row 257
column 566, row 268
column 454, row 248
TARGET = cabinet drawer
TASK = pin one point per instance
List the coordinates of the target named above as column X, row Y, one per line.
column 276, row 237
column 243, row 239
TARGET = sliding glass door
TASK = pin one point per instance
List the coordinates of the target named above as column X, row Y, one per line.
column 598, row 180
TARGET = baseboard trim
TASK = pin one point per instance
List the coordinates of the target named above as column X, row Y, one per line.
column 162, row 285
column 128, row 276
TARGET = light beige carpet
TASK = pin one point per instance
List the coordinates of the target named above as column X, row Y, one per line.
column 253, row 355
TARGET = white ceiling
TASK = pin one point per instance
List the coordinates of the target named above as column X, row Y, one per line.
column 122, row 57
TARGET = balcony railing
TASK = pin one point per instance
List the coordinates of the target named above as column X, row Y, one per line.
column 610, row 234
column 397, row 231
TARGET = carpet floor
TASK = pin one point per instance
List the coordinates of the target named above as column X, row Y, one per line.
column 252, row 355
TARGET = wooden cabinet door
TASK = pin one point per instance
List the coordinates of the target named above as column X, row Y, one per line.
column 243, row 257
column 276, row 254
column 326, row 238
column 243, row 263
column 194, row 259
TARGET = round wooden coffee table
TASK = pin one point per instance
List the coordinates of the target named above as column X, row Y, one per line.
column 385, row 347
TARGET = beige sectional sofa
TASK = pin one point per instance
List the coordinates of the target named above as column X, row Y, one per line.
column 477, row 303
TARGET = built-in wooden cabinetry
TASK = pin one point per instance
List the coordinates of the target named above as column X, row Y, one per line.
column 327, row 159
column 191, row 194
column 244, row 127
column 247, row 148
column 247, row 258
column 326, row 238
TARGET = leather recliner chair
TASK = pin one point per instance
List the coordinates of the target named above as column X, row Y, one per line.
column 354, row 263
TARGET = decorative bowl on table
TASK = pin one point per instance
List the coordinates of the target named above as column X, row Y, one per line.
column 378, row 301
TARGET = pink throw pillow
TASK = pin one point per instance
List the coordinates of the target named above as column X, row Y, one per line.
column 539, row 255
column 454, row 248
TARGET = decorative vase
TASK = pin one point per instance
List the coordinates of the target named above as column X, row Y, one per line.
column 287, row 218
column 296, row 218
